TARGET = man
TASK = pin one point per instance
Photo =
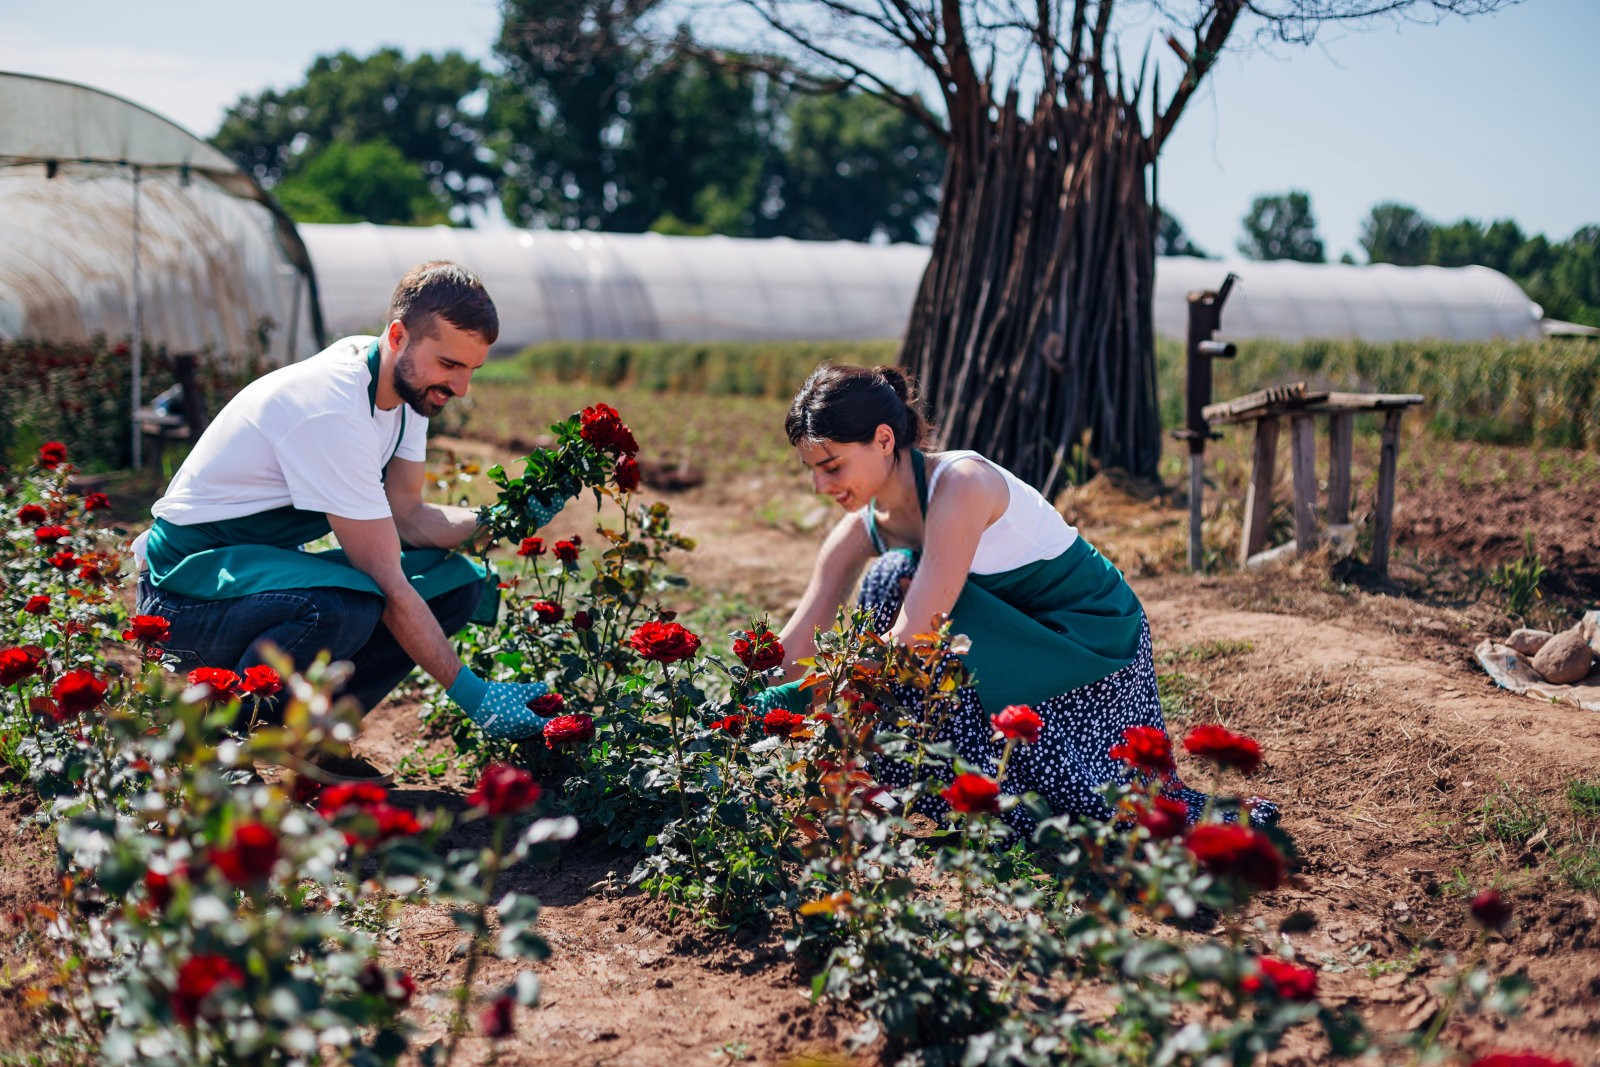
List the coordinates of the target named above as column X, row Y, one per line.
column 337, row 442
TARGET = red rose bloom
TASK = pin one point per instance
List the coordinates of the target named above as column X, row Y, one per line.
column 602, row 427
column 664, row 642
column 759, row 651
column 531, row 546
column 63, row 560
column 149, row 629
column 159, row 888
column 1146, row 749
column 730, row 724
column 566, row 551
column 973, row 793
column 1289, row 981
column 548, row 705
column 77, row 691
column 1491, row 909
column 1521, row 1059
column 1224, row 747
column 504, row 790
column 391, row 822
column 398, row 986
column 568, row 730
column 1238, row 852
column 52, row 454
column 32, row 515
column 334, row 799
column 261, row 681
column 96, row 502
column 251, row 857
column 198, row 978
column 46, row 706
column 626, row 474
column 1166, row 819
column 15, row 665
column 49, row 535
column 780, row 722
column 1018, row 721
column 37, row 605
column 219, row 680
column 548, row 612
column 499, row 1018
column 582, row 620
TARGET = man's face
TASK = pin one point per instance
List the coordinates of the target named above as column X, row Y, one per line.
column 430, row 369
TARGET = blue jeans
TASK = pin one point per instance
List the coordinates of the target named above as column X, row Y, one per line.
column 301, row 623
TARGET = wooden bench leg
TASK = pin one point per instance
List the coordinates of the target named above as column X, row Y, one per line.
column 1388, row 460
column 1303, row 454
column 1258, row 497
column 1341, row 427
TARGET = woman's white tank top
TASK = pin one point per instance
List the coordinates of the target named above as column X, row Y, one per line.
column 1029, row 529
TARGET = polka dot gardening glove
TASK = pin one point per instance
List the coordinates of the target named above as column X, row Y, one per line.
column 499, row 708
column 541, row 514
column 787, row 696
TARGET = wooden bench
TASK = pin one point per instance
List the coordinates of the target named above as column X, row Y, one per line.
column 1267, row 408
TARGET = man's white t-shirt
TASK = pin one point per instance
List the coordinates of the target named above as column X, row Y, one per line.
column 308, row 435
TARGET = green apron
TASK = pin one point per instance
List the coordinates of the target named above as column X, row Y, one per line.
column 259, row 553
column 1041, row 629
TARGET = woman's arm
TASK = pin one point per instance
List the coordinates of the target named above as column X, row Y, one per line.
column 970, row 497
column 844, row 552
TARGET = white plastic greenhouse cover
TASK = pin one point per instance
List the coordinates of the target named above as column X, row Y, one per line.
column 215, row 260
column 552, row 285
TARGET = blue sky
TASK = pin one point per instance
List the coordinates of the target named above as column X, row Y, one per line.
column 1490, row 117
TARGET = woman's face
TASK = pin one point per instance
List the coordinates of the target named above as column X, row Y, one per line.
column 851, row 473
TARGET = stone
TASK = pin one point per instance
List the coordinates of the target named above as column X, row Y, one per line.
column 1528, row 642
column 1564, row 659
column 1591, row 630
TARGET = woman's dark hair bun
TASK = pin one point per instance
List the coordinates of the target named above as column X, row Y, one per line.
column 848, row 404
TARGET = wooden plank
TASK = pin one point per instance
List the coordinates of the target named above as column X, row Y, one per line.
column 1258, row 497
column 1303, row 455
column 1262, row 401
column 1341, row 435
column 1387, row 463
column 1365, row 401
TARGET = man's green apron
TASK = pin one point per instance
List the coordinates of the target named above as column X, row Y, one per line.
column 259, row 553
column 1041, row 629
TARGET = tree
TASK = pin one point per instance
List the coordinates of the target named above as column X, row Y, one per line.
column 429, row 109
column 1282, row 227
column 1395, row 233
column 1171, row 240
column 1033, row 324
column 367, row 182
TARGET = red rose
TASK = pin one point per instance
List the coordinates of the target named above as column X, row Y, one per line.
column 603, row 428
column 1224, row 747
column 567, row 551
column 1491, row 909
column 1166, row 819
column 782, row 723
column 1289, row 981
column 49, row 535
column 1146, row 749
column 251, row 857
column 37, row 605
column 547, row 611
column 499, row 1018
column 46, row 706
column 1521, row 1059
column 397, row 986
column 1018, row 721
column 973, row 793
column 548, row 705
column 52, row 454
column 531, row 546
column 159, row 888
column 730, row 724
column 15, row 665
column 386, row 821
column 1239, row 852
column 664, row 642
column 334, row 799
column 32, row 515
column 626, row 474
column 63, row 560
column 261, row 681
column 568, row 730
column 582, row 620
column 78, row 691
column 198, row 978
column 504, row 790
column 149, row 629
column 760, row 651
column 219, row 680
column 96, row 502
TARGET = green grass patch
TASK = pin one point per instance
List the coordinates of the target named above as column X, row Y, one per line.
column 1178, row 691
column 1584, row 796
column 1510, row 817
column 1206, row 651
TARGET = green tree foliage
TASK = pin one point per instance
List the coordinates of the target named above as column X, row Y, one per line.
column 1281, row 226
column 1395, row 233
column 429, row 110
column 1171, row 240
column 367, row 182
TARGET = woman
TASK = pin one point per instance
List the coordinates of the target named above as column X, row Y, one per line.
column 1052, row 623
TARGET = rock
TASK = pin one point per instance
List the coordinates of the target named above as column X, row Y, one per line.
column 1564, row 659
column 1528, row 642
column 1591, row 630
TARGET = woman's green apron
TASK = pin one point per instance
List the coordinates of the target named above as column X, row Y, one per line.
column 1041, row 629
column 259, row 553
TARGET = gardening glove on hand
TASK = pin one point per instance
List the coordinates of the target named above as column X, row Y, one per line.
column 787, row 696
column 541, row 514
column 499, row 708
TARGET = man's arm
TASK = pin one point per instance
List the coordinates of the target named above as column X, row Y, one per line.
column 417, row 523
column 373, row 546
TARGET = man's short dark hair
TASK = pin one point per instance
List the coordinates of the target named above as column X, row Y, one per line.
column 450, row 292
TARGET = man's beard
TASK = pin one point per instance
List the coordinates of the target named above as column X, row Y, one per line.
column 412, row 393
